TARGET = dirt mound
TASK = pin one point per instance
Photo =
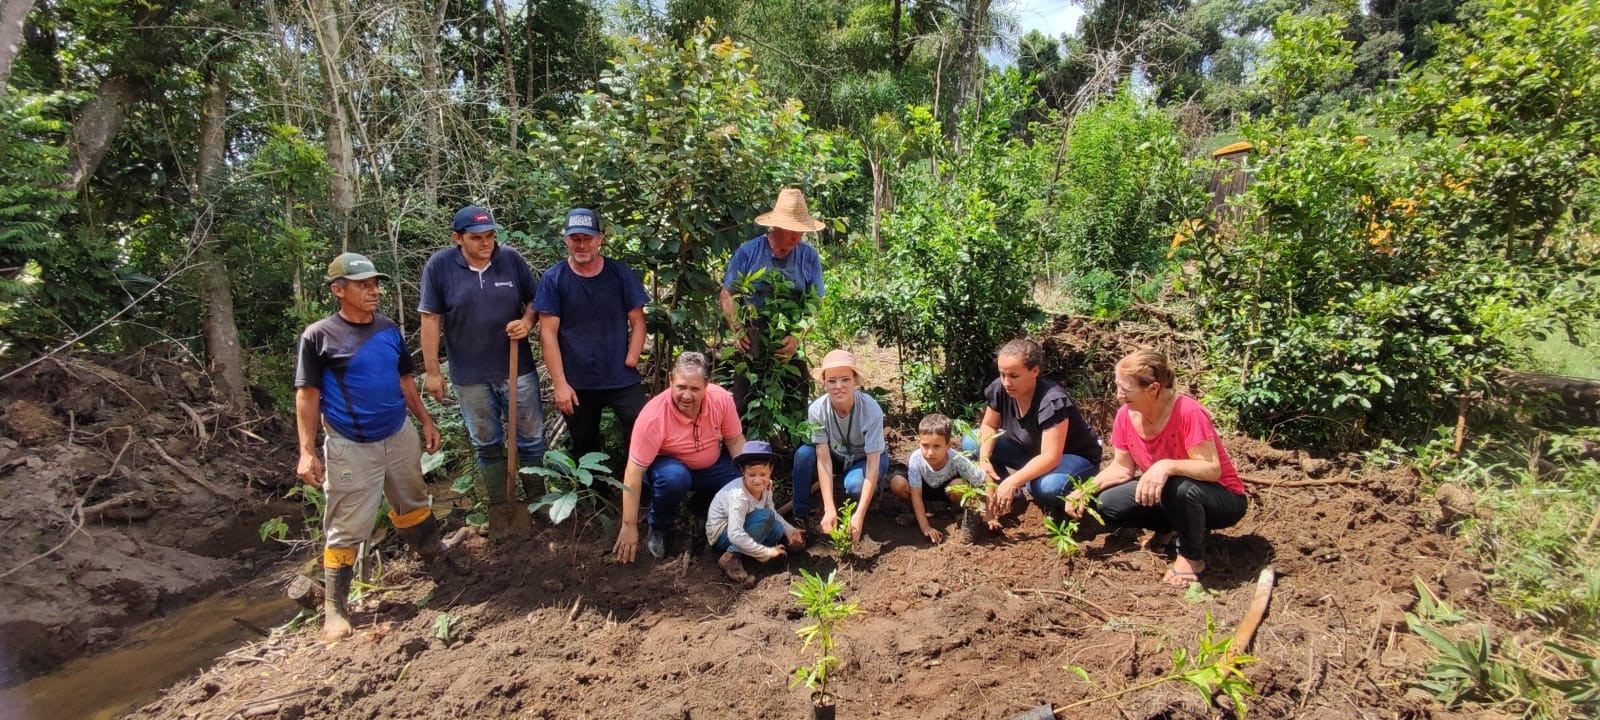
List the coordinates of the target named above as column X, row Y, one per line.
column 551, row 628
column 126, row 489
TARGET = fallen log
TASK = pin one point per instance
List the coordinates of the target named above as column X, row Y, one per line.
column 1253, row 616
column 306, row 593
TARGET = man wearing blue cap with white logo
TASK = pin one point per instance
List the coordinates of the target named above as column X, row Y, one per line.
column 591, row 327
column 479, row 296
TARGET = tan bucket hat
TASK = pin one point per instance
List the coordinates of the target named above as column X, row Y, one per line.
column 790, row 213
column 840, row 358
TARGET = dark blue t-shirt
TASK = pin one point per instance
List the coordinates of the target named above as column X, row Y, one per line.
column 594, row 322
column 475, row 308
column 1051, row 407
column 357, row 367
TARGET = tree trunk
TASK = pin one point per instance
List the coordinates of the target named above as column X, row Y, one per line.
column 509, row 61
column 12, row 15
column 221, row 332
column 969, row 61
column 897, row 59
column 96, row 127
column 341, row 151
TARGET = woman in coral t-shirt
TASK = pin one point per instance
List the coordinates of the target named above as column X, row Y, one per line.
column 1170, row 474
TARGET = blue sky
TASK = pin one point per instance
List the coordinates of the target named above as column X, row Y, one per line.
column 1051, row 17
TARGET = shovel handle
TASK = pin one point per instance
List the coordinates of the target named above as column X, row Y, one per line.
column 512, row 470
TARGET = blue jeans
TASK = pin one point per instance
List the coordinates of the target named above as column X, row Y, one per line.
column 855, row 475
column 1048, row 489
column 761, row 524
column 671, row 481
column 483, row 409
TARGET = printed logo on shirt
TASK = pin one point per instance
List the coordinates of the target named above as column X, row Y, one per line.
column 505, row 284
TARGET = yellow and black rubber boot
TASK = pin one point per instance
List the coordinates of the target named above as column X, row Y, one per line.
column 338, row 569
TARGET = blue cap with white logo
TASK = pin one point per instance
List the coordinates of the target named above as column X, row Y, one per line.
column 582, row 221
column 471, row 219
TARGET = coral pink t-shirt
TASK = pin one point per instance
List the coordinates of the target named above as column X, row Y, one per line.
column 1189, row 426
column 697, row 443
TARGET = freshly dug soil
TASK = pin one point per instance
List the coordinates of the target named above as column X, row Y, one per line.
column 99, row 530
column 550, row 627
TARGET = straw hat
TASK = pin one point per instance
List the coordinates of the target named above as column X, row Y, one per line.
column 790, row 213
column 839, row 359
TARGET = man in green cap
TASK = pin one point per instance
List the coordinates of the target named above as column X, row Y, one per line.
column 353, row 378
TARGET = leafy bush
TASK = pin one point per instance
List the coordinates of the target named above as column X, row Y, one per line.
column 953, row 280
column 778, row 412
column 1122, row 177
column 678, row 153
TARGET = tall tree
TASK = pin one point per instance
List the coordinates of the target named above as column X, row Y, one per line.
column 221, row 332
column 13, row 13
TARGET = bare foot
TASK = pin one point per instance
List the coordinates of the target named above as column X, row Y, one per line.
column 733, row 567
column 1183, row 572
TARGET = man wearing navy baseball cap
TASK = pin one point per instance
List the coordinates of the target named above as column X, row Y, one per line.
column 591, row 327
column 478, row 295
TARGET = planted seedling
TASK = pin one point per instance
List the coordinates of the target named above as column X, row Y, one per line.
column 1061, row 537
column 839, row 537
column 820, row 600
column 571, row 484
column 975, row 515
column 443, row 625
column 1212, row 670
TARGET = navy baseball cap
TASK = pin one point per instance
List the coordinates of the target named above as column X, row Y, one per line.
column 472, row 218
column 582, row 221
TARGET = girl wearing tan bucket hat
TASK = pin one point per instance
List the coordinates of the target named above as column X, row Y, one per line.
column 780, row 250
column 849, row 432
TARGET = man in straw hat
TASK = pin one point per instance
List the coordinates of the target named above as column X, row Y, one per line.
column 781, row 250
column 353, row 378
column 848, row 432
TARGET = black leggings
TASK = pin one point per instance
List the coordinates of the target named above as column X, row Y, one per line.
column 1188, row 506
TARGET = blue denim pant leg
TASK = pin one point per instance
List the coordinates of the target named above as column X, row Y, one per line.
column 761, row 524
column 671, row 481
column 483, row 410
column 805, row 473
column 1047, row 490
column 856, row 475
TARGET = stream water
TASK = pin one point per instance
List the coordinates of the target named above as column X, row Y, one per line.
column 155, row 655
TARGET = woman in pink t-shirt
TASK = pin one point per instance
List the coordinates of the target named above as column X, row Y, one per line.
column 1170, row 474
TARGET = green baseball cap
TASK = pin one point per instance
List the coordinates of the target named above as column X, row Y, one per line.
column 352, row 266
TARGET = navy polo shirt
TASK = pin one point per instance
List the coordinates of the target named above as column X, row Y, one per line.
column 594, row 322
column 475, row 307
column 357, row 367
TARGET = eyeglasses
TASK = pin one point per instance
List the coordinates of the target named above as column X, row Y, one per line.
column 1125, row 390
column 839, row 381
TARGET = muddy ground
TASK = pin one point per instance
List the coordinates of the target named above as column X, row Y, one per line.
column 128, row 492
column 549, row 627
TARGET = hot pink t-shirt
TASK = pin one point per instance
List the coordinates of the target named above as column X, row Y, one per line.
column 1189, row 426
column 662, row 430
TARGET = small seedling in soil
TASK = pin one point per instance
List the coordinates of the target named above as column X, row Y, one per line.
column 1060, row 533
column 571, row 483
column 442, row 626
column 1213, row 669
column 974, row 501
column 820, row 600
column 839, row 537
